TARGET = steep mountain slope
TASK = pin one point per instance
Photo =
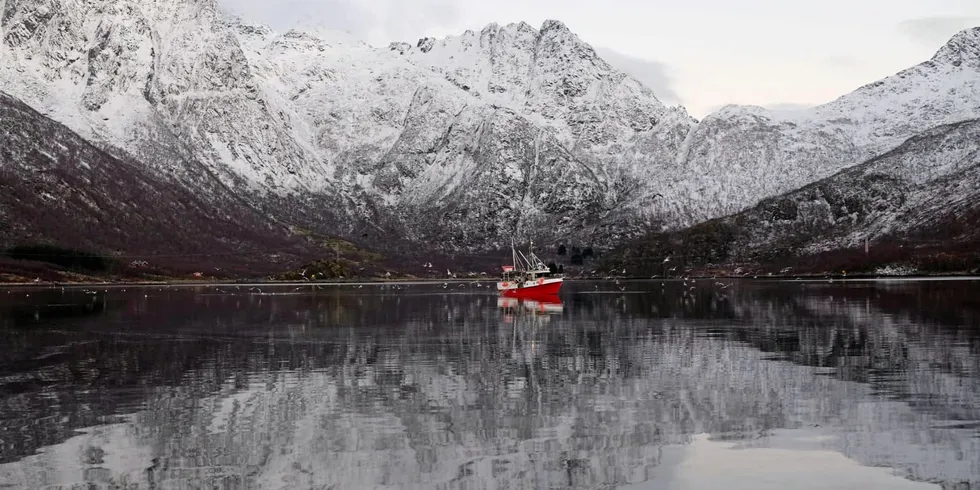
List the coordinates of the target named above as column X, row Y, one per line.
column 740, row 155
column 167, row 83
column 135, row 74
column 923, row 194
column 56, row 186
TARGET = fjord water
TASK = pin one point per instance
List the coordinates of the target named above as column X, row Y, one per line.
column 633, row 385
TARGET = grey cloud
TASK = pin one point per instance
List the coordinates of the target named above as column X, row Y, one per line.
column 778, row 106
column 788, row 107
column 936, row 31
column 842, row 61
column 407, row 20
column 653, row 74
column 389, row 19
column 347, row 15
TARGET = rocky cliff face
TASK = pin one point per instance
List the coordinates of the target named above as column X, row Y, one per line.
column 460, row 142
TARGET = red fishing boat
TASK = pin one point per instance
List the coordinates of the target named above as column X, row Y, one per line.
column 528, row 276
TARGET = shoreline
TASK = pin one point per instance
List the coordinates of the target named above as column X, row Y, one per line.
column 416, row 281
column 229, row 283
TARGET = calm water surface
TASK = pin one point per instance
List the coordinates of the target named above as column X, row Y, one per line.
column 638, row 385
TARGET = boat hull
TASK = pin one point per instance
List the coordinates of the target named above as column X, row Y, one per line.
column 539, row 287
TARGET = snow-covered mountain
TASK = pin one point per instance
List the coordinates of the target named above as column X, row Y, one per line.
column 554, row 79
column 926, row 189
column 739, row 155
column 473, row 138
column 924, row 194
column 461, row 142
column 369, row 135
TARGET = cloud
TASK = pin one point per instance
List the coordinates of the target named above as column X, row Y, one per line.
column 788, row 106
column 378, row 21
column 653, row 74
column 775, row 106
column 936, row 31
column 408, row 20
column 348, row 15
column 842, row 61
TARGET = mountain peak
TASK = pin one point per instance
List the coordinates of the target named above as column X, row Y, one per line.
column 246, row 28
column 524, row 26
column 553, row 25
column 964, row 46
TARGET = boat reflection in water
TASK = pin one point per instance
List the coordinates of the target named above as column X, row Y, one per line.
column 543, row 306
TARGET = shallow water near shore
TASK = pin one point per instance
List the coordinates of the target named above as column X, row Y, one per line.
column 639, row 385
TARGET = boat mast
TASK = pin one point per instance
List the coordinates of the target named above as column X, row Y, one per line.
column 513, row 254
column 530, row 247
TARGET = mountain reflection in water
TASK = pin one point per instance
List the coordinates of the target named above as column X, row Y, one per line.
column 635, row 385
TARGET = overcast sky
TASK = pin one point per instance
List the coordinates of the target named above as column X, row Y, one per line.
column 700, row 53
